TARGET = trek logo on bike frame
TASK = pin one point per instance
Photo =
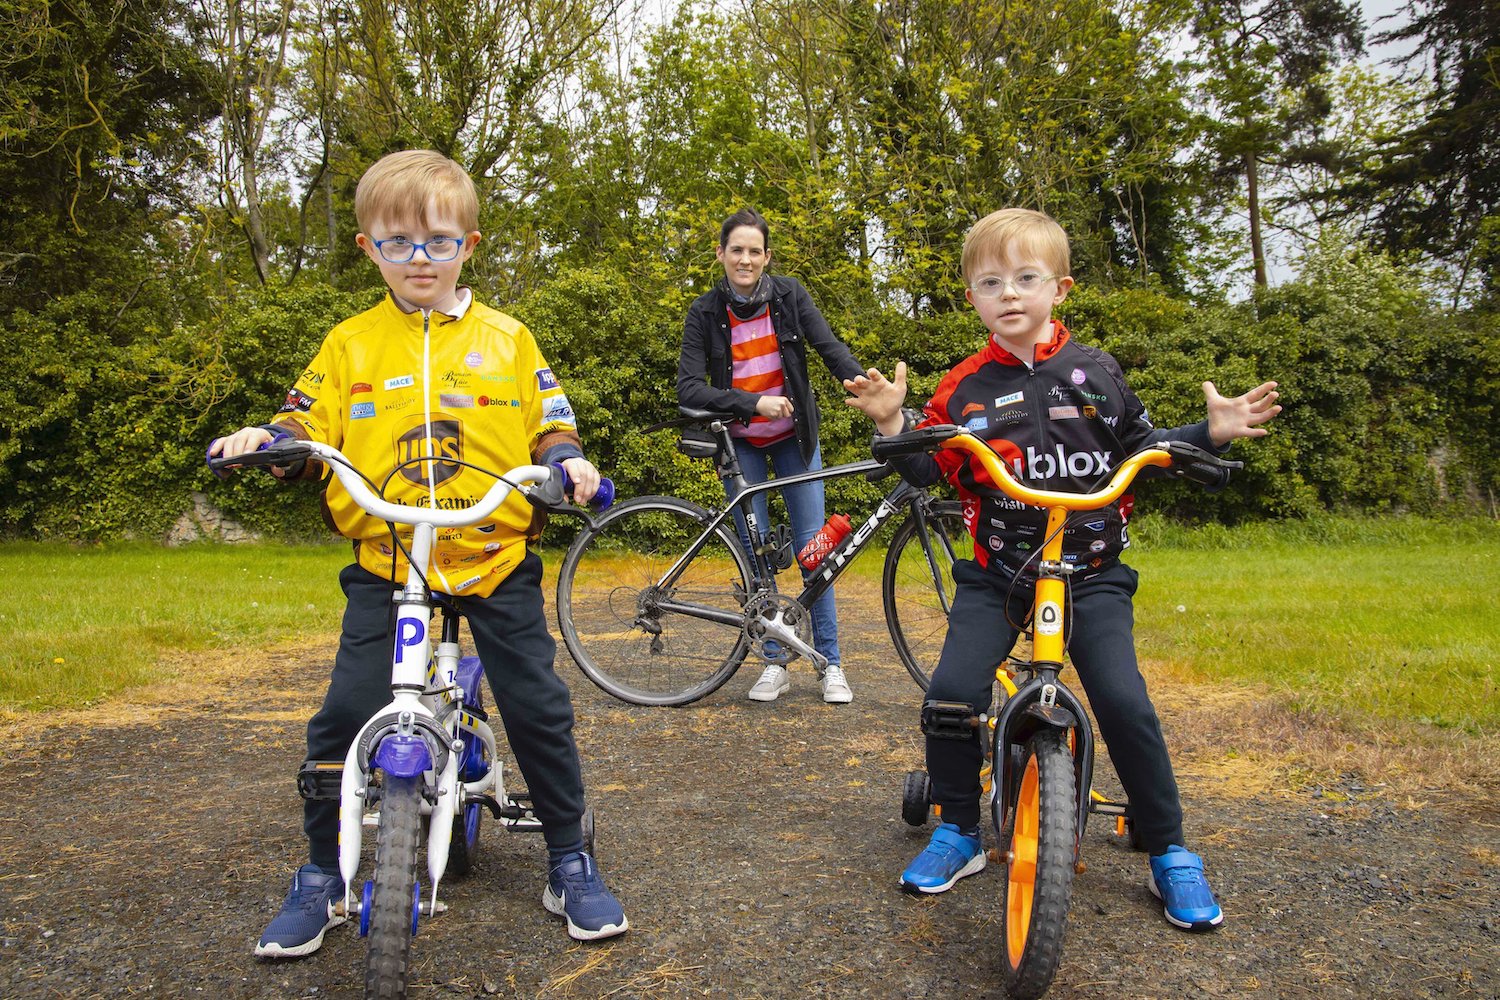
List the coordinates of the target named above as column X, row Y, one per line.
column 840, row 555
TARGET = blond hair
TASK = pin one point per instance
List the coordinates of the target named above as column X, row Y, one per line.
column 402, row 186
column 1016, row 232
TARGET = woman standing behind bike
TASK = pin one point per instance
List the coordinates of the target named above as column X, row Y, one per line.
column 744, row 351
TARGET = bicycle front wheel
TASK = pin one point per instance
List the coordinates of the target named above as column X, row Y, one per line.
column 393, row 897
column 917, row 586
column 641, row 641
column 1041, row 846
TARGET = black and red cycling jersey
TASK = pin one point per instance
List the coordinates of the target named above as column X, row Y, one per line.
column 1063, row 423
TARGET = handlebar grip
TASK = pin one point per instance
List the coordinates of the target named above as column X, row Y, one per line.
column 912, row 442
column 281, row 451
column 602, row 499
column 1198, row 466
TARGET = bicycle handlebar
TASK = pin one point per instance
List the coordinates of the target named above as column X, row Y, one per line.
column 1179, row 458
column 550, row 483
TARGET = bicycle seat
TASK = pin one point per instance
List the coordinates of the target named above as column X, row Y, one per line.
column 689, row 417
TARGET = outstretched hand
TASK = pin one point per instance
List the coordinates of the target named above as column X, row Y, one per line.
column 1241, row 416
column 879, row 398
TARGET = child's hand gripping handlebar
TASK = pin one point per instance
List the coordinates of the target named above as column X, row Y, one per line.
column 549, row 489
column 1178, row 458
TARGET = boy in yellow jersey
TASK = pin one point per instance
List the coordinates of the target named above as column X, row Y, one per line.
column 430, row 370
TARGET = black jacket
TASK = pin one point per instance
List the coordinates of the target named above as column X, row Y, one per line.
column 1062, row 425
column 704, row 372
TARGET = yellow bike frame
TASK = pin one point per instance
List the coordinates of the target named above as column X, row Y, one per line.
column 1051, row 587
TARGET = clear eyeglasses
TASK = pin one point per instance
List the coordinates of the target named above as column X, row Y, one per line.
column 400, row 250
column 1025, row 283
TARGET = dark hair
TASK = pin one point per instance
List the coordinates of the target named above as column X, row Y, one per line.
column 745, row 217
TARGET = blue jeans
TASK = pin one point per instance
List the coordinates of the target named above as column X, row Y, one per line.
column 804, row 505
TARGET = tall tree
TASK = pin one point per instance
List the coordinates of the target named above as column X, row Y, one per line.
column 251, row 46
column 1436, row 187
column 1264, row 62
column 101, row 110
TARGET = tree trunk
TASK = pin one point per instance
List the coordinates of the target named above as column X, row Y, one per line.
column 1252, row 192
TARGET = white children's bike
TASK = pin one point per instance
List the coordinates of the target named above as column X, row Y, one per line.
column 430, row 752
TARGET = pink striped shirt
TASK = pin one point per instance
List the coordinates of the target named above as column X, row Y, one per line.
column 756, row 367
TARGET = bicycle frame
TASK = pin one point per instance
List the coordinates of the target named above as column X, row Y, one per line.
column 829, row 570
column 419, row 731
column 1043, row 699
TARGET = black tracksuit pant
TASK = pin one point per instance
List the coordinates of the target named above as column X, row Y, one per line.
column 1101, row 646
column 509, row 629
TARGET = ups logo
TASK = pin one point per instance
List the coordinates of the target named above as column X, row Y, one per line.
column 446, row 447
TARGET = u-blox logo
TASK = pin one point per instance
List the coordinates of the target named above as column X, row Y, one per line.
column 1054, row 463
column 446, row 448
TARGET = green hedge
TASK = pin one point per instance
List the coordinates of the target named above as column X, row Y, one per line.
column 1389, row 400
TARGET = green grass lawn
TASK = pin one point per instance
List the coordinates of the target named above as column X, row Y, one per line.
column 84, row 623
column 1387, row 619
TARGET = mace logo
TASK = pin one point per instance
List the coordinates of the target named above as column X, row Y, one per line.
column 399, row 382
column 446, row 446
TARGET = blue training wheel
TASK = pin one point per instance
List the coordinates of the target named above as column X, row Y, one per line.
column 366, row 898
column 416, row 906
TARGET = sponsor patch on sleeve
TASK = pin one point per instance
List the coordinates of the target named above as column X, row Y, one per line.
column 557, row 410
column 297, row 402
column 545, row 380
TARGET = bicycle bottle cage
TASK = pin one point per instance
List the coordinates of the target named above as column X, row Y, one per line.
column 949, row 720
column 320, row 780
column 778, row 547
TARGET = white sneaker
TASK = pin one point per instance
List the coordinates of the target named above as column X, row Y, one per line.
column 773, row 684
column 835, row 687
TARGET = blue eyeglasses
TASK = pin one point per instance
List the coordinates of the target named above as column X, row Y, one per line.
column 400, row 250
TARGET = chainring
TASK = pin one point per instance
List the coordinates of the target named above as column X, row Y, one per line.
column 767, row 607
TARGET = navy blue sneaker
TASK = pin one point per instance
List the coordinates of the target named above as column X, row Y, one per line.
column 1177, row 880
column 576, row 891
column 949, row 857
column 307, row 913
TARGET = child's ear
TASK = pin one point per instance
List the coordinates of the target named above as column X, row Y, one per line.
column 1064, row 284
column 367, row 245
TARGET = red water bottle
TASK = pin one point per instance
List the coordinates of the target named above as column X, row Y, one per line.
column 823, row 542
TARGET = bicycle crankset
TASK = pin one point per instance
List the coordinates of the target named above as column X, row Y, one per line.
column 765, row 609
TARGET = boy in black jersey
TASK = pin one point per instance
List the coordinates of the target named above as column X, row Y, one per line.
column 1061, row 415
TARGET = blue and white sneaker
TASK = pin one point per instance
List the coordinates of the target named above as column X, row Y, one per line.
column 305, row 915
column 575, row 890
column 949, row 857
column 1177, row 880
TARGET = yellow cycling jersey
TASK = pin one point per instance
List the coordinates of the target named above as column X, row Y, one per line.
column 492, row 397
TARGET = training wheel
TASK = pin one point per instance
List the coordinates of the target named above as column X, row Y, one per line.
column 916, row 797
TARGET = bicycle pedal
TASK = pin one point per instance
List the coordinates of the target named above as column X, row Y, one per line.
column 320, row 780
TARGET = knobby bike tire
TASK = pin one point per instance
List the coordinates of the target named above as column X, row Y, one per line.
column 914, row 598
column 1041, row 840
column 388, row 954
column 608, row 605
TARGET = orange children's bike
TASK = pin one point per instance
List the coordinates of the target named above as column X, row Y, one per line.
column 1042, row 744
